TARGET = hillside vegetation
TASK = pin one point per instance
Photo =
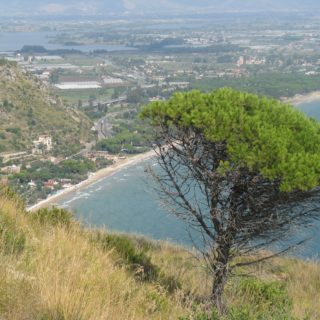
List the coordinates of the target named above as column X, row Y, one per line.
column 53, row 268
column 28, row 109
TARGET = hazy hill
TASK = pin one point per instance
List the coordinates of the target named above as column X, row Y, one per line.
column 145, row 7
column 52, row 268
column 28, row 110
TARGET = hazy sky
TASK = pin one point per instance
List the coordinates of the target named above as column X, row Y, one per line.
column 146, row 6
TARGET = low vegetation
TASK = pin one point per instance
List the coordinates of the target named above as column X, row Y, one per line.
column 131, row 136
column 53, row 268
column 70, row 171
column 28, row 109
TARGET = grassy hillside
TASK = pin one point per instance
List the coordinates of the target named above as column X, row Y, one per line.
column 27, row 110
column 52, row 268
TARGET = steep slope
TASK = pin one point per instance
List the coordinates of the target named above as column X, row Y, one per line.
column 52, row 268
column 27, row 110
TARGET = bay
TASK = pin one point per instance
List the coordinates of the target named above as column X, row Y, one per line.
column 312, row 108
column 127, row 202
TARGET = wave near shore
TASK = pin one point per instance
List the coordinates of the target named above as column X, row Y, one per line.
column 95, row 177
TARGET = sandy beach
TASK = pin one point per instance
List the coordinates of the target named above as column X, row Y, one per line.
column 303, row 98
column 95, row 177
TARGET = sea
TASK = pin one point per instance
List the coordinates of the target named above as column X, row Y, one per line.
column 127, row 202
column 14, row 41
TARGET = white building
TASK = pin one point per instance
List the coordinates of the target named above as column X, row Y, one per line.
column 45, row 58
column 43, row 143
column 112, row 81
column 240, row 61
column 78, row 85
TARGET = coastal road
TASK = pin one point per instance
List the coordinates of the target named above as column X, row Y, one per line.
column 104, row 128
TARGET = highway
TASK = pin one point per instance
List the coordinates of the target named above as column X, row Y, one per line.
column 104, row 128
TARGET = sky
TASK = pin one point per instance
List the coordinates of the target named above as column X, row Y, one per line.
column 144, row 7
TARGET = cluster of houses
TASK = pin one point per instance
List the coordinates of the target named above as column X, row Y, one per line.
column 39, row 147
column 53, row 184
column 250, row 61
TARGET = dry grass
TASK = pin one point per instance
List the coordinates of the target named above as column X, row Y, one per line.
column 60, row 273
column 303, row 283
column 300, row 279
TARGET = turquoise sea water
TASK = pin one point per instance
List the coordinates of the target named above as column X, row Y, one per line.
column 312, row 109
column 127, row 202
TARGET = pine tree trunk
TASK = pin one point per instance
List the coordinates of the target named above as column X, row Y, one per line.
column 219, row 282
column 221, row 273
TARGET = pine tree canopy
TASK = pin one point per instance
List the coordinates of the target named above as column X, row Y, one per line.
column 262, row 135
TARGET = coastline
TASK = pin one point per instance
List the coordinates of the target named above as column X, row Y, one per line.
column 95, row 177
column 302, row 98
column 123, row 163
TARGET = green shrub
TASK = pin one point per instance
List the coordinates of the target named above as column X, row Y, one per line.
column 273, row 294
column 7, row 193
column 137, row 259
column 160, row 301
column 12, row 239
column 53, row 216
column 260, row 300
column 239, row 313
column 203, row 316
column 16, row 131
column 245, row 313
column 126, row 249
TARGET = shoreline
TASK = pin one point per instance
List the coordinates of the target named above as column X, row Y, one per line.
column 95, row 177
column 302, row 98
column 123, row 163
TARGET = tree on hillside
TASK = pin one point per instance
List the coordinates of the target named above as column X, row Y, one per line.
column 240, row 169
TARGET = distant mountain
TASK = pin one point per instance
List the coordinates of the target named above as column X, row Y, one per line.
column 27, row 110
column 145, row 7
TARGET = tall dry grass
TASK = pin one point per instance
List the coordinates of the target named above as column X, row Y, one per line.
column 56, row 271
column 303, row 283
column 62, row 274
